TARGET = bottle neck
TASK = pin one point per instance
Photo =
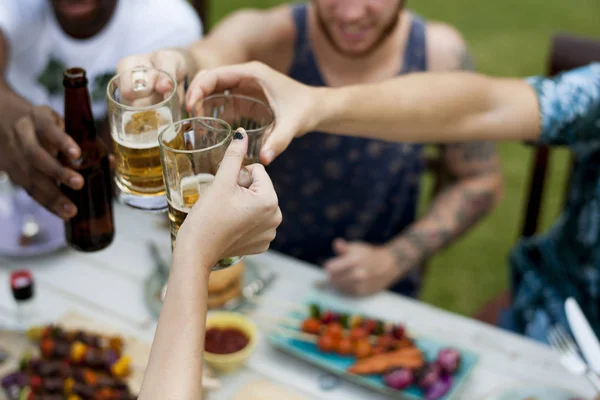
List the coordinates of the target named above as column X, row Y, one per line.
column 79, row 120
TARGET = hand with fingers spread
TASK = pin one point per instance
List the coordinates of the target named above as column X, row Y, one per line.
column 232, row 220
column 28, row 149
column 293, row 103
column 362, row 269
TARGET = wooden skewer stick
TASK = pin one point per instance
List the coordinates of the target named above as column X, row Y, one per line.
column 277, row 303
column 277, row 320
column 302, row 336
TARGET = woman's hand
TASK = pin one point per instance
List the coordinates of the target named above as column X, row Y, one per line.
column 295, row 105
column 231, row 220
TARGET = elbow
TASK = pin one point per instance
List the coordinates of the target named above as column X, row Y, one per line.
column 495, row 183
column 499, row 191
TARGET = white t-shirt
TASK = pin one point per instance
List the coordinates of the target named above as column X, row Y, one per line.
column 40, row 50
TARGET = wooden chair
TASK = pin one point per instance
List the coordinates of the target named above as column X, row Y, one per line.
column 202, row 8
column 567, row 52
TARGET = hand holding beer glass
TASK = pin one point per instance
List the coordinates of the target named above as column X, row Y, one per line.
column 240, row 111
column 191, row 151
column 137, row 113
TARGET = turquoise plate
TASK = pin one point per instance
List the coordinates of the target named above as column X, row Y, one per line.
column 338, row 365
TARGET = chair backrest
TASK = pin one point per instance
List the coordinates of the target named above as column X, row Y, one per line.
column 566, row 52
column 202, row 8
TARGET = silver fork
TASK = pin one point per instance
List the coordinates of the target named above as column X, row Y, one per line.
column 568, row 353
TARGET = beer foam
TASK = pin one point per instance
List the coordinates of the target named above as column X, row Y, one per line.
column 140, row 141
column 196, row 184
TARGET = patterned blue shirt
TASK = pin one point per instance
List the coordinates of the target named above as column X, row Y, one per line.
column 565, row 261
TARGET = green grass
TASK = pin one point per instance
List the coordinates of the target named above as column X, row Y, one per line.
column 507, row 38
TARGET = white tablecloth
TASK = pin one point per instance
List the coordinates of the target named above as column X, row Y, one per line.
column 108, row 286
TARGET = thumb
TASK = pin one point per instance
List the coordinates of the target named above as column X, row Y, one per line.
column 172, row 62
column 276, row 143
column 340, row 246
column 229, row 168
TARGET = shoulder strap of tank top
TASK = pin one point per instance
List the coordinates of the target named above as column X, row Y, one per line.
column 415, row 55
column 300, row 15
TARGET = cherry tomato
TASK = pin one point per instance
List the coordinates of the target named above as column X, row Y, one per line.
column 335, row 330
column 345, row 347
column 329, row 317
column 370, row 325
column 311, row 325
column 387, row 342
column 362, row 348
column 326, row 344
column 47, row 347
column 358, row 333
column 398, row 331
column 35, row 383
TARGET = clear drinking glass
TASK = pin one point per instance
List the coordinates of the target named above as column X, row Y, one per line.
column 191, row 151
column 240, row 111
column 137, row 113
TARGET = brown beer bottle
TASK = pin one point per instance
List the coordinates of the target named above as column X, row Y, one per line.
column 92, row 229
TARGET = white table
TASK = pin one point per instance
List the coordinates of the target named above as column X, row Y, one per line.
column 108, row 286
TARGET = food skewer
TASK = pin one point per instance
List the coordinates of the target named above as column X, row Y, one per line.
column 293, row 325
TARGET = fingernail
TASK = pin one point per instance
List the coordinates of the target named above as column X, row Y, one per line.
column 186, row 84
column 238, row 135
column 74, row 181
column 269, row 155
column 68, row 210
column 73, row 152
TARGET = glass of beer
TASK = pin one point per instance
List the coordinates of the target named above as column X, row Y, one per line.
column 137, row 113
column 240, row 111
column 191, row 151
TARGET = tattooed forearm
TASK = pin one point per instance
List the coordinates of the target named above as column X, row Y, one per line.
column 474, row 151
column 454, row 212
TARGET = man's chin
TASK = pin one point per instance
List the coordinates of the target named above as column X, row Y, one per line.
column 356, row 51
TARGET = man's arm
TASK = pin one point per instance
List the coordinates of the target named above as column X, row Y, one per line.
column 29, row 139
column 245, row 35
column 248, row 35
column 474, row 168
column 12, row 106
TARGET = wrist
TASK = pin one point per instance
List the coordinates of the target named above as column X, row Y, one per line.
column 323, row 107
column 188, row 256
column 12, row 105
column 406, row 254
column 331, row 108
column 190, row 64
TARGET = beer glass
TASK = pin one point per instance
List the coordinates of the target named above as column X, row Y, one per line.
column 240, row 111
column 190, row 152
column 137, row 113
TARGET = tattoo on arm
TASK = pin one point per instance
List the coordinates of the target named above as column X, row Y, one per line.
column 474, row 151
column 421, row 242
column 458, row 208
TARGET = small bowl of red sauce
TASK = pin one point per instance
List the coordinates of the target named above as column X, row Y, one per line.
column 229, row 341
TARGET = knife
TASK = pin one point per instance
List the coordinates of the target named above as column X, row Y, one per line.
column 250, row 291
column 584, row 335
column 161, row 267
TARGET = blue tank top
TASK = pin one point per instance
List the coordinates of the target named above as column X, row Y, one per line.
column 339, row 186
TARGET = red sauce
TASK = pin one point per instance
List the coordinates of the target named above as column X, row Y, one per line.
column 225, row 340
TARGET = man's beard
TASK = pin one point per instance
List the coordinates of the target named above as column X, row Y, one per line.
column 385, row 33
